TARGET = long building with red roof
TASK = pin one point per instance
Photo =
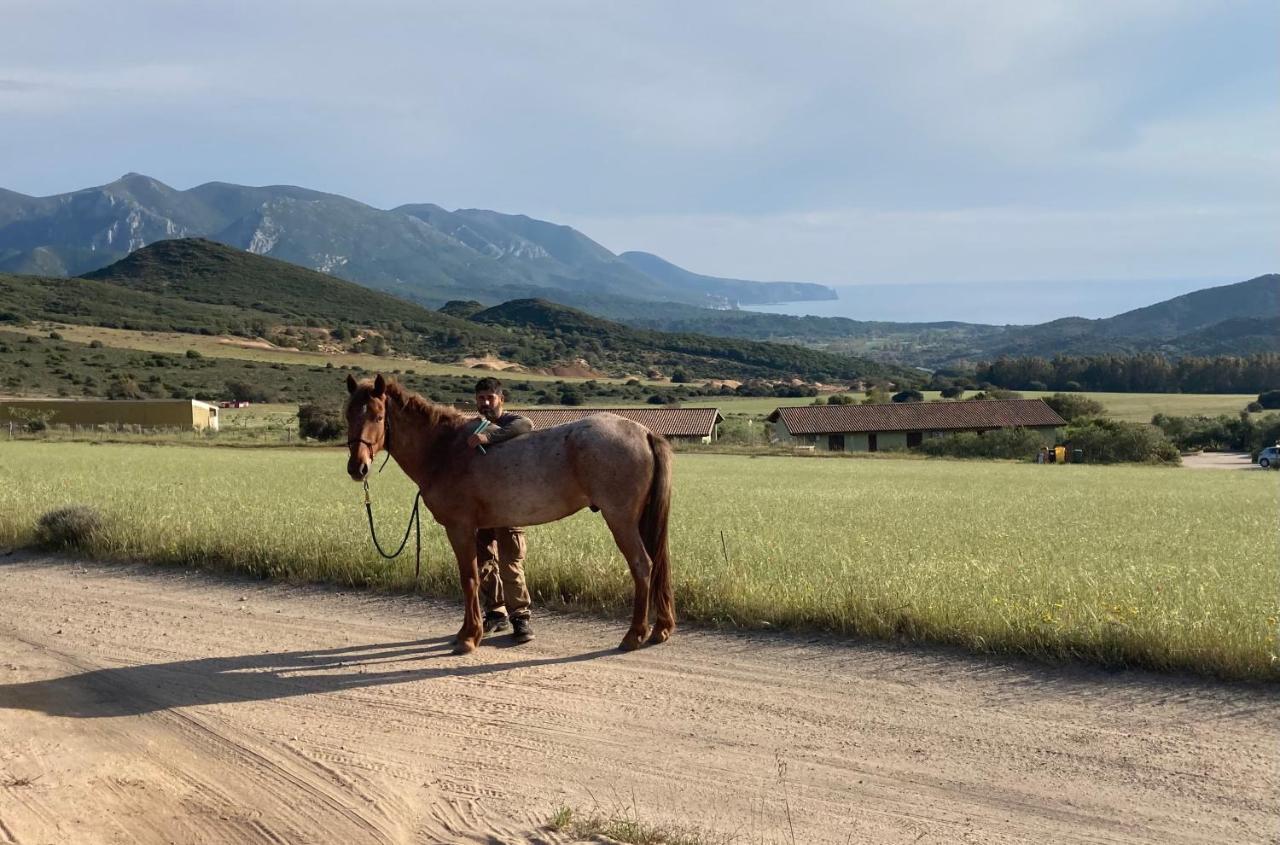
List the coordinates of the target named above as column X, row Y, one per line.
column 905, row 425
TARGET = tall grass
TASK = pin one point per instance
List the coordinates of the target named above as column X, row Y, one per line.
column 1154, row 567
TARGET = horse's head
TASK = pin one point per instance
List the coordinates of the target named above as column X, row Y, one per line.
column 366, row 424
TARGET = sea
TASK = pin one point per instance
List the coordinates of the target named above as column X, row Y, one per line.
column 993, row 303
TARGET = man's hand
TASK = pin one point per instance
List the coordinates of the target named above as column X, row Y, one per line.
column 477, row 440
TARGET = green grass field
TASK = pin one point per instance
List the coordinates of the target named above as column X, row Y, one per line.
column 1119, row 565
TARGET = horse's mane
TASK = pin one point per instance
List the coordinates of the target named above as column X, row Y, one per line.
column 429, row 412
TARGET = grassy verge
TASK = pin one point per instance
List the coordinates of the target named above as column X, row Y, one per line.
column 1124, row 566
column 625, row 827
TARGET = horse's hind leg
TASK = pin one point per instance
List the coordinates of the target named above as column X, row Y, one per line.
column 626, row 533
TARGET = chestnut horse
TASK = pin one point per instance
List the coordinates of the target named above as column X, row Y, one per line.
column 603, row 461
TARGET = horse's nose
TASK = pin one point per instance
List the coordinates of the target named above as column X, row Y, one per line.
column 363, row 470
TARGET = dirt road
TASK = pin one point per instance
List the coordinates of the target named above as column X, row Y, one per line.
column 142, row 706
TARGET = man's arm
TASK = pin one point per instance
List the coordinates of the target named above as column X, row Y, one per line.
column 510, row 425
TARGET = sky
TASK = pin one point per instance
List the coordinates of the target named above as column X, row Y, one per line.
column 839, row 142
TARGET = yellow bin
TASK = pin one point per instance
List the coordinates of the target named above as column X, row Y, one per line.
column 1060, row 454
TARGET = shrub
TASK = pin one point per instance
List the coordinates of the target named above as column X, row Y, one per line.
column 69, row 527
column 1110, row 441
column 243, row 391
column 320, row 423
column 1253, row 407
column 96, row 344
column 193, row 353
column 570, row 396
column 840, row 399
column 1074, row 406
column 1015, row 443
column 953, row 392
column 908, row 396
column 55, row 336
column 680, row 376
column 124, row 387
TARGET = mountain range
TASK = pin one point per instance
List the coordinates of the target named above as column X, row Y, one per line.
column 195, row 285
column 429, row 255
column 420, row 252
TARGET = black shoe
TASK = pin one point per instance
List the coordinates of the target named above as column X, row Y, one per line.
column 495, row 623
column 521, row 629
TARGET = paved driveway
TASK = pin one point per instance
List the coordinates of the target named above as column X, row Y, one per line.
column 1219, row 460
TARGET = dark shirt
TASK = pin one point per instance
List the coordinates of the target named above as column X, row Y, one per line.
column 507, row 426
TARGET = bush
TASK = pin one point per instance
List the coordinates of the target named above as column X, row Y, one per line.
column 1253, row 407
column 194, row 354
column 55, row 336
column 320, row 423
column 570, row 397
column 1074, row 406
column 69, row 527
column 908, row 396
column 680, row 376
column 952, row 392
column 1015, row 443
column 1110, row 441
column 123, row 387
column 243, row 391
column 840, row 399
column 96, row 344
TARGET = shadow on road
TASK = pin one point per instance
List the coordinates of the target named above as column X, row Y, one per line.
column 133, row 690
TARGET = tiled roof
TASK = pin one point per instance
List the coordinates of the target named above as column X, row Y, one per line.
column 917, row 416
column 669, row 422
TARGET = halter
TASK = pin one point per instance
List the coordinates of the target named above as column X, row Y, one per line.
column 386, row 438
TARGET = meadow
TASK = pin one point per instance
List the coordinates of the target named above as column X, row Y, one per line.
column 1133, row 566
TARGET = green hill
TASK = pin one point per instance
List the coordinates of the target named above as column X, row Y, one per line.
column 700, row 355
column 196, row 285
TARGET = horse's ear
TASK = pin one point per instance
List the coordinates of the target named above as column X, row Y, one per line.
column 351, row 383
column 379, row 386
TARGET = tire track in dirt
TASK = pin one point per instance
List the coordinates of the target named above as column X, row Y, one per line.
column 237, row 711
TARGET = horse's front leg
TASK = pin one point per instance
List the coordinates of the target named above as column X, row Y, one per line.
column 463, row 540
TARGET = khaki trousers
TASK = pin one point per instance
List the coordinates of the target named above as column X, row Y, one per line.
column 500, row 553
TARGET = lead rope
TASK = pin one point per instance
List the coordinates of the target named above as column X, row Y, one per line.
column 415, row 522
column 415, row 518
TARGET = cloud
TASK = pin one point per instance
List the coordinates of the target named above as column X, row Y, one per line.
column 669, row 111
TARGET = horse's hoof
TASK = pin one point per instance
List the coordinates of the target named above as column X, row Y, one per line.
column 630, row 643
column 464, row 647
column 660, row 635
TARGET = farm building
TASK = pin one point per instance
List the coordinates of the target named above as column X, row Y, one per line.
column 687, row 425
column 146, row 413
column 870, row 428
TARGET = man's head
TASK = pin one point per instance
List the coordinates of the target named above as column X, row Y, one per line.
column 489, row 398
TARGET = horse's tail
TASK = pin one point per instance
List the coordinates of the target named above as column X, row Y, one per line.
column 653, row 531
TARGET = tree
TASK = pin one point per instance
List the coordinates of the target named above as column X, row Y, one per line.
column 953, row 392
column 679, row 376
column 1073, row 406
column 908, row 396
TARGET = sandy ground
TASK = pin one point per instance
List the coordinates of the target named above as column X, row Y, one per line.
column 146, row 706
column 1219, row 460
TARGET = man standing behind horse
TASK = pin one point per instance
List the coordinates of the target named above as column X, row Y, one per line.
column 501, row 551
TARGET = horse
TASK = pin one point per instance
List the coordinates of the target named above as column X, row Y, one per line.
column 604, row 462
